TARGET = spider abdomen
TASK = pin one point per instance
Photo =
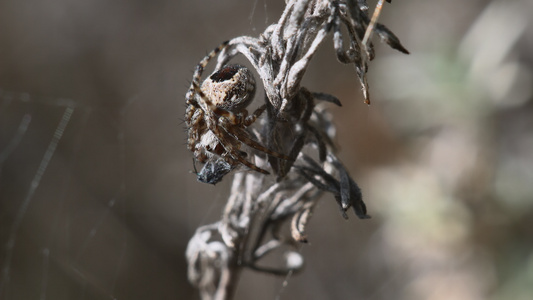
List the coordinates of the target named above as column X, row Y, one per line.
column 232, row 87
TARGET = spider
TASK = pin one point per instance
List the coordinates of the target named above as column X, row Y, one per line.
column 216, row 119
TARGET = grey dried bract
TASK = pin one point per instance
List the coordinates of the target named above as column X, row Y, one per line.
column 226, row 138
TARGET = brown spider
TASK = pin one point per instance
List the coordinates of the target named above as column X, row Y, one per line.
column 216, row 119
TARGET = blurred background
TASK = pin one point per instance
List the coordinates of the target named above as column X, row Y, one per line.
column 97, row 199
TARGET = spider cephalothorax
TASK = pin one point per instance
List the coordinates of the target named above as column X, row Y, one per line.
column 217, row 119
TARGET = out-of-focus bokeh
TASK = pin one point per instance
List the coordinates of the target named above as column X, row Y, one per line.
column 97, row 199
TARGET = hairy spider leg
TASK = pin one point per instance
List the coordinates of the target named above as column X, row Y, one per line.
column 253, row 117
column 197, row 77
column 242, row 135
column 224, row 135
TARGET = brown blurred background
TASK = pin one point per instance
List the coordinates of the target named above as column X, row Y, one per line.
column 444, row 155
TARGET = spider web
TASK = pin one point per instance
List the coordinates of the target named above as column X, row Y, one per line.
column 94, row 190
column 71, row 227
column 96, row 197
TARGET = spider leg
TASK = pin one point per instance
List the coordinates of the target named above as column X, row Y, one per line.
column 241, row 135
column 197, row 77
column 224, row 135
column 253, row 117
column 238, row 156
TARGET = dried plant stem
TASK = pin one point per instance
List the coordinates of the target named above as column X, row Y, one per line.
column 370, row 29
column 252, row 223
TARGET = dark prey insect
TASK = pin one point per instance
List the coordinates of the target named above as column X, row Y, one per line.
column 216, row 119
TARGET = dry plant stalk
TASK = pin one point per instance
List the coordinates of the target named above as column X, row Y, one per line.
column 250, row 227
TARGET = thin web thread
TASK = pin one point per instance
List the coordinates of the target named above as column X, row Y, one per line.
column 56, row 225
column 33, row 187
column 21, row 130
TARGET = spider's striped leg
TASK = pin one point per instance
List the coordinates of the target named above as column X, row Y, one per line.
column 253, row 117
column 242, row 135
column 223, row 135
column 197, row 77
column 242, row 160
